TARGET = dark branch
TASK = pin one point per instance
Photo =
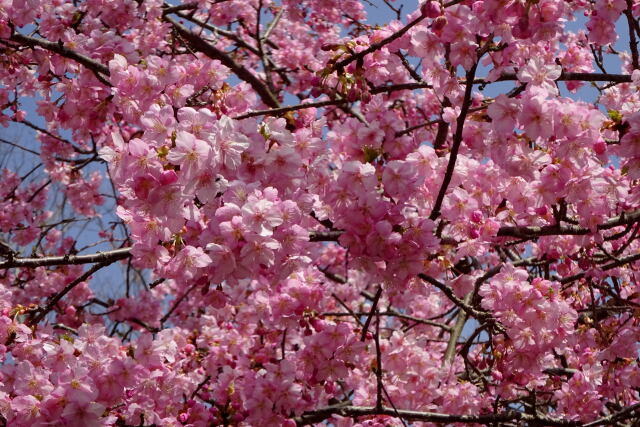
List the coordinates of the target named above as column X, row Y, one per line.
column 557, row 229
column 374, row 47
column 108, row 256
column 457, row 140
column 172, row 9
column 40, row 313
column 281, row 110
column 359, row 411
column 212, row 52
column 59, row 48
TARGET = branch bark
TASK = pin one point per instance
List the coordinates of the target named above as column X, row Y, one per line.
column 568, row 229
column 359, row 411
column 41, row 312
column 96, row 67
column 108, row 256
column 212, row 52
column 378, row 45
column 457, row 140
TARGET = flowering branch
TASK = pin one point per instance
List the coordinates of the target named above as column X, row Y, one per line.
column 107, row 256
column 212, row 52
column 374, row 47
column 41, row 312
column 61, row 50
column 319, row 415
column 457, row 140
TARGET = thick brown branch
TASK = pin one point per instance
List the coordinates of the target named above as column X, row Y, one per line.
column 633, row 43
column 167, row 9
column 583, row 77
column 359, row 411
column 450, row 352
column 567, row 229
column 61, row 50
column 118, row 254
column 325, row 236
column 215, row 30
column 108, row 256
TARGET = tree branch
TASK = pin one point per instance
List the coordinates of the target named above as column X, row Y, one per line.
column 59, row 48
column 108, row 256
column 616, row 264
column 39, row 313
column 281, row 110
column 558, row 229
column 374, row 306
column 167, row 9
column 212, row 52
column 378, row 45
column 319, row 415
column 457, row 140
column 457, row 301
column 450, row 352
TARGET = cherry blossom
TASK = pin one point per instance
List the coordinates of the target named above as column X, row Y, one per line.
column 349, row 213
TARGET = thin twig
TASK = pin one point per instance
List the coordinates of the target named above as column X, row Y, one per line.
column 43, row 311
column 374, row 305
column 457, row 140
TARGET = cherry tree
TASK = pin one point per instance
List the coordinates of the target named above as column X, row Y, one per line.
column 261, row 212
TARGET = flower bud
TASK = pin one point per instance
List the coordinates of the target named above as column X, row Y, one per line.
column 431, row 9
column 438, row 24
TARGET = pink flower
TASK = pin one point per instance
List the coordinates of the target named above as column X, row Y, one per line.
column 261, row 216
column 189, row 151
column 230, row 142
column 187, row 262
column 536, row 118
column 83, row 414
column 540, row 74
column 158, row 122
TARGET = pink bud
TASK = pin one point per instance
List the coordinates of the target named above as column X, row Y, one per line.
column 476, row 216
column 352, row 95
column 20, row 115
column 600, row 147
column 431, row 9
column 584, row 263
column 329, row 46
column 315, row 81
column 438, row 24
column 168, row 177
column 542, row 210
column 317, row 324
column 329, row 387
column 522, row 30
column 474, row 233
column 365, row 98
